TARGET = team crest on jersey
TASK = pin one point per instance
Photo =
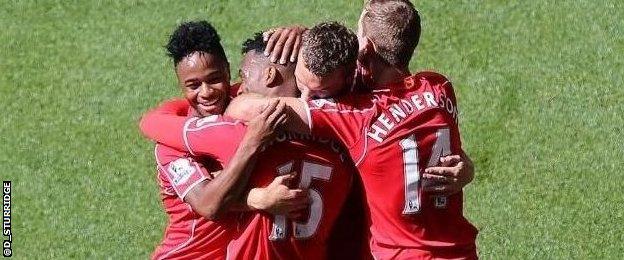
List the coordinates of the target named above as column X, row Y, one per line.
column 181, row 170
column 324, row 101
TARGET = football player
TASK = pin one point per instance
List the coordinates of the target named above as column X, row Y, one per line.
column 324, row 169
column 196, row 192
column 404, row 125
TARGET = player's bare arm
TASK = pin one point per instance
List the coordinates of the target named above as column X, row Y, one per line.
column 450, row 177
column 211, row 198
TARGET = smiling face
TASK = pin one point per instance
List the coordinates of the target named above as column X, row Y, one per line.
column 205, row 81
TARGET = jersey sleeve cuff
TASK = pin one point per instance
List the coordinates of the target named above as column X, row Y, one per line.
column 190, row 187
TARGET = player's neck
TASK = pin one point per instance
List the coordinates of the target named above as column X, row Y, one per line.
column 386, row 75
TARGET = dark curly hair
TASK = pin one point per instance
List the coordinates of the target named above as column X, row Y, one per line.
column 194, row 36
column 256, row 43
column 327, row 47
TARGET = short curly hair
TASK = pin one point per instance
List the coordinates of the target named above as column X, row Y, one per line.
column 256, row 43
column 327, row 47
column 194, row 36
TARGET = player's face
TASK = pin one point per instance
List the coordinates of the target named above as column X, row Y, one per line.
column 205, row 82
column 312, row 86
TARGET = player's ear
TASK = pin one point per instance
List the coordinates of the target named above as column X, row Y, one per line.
column 269, row 76
column 366, row 51
column 241, row 89
column 370, row 47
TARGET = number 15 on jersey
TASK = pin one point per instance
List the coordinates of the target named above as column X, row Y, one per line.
column 309, row 171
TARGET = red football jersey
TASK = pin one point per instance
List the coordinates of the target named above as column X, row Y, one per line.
column 326, row 171
column 188, row 234
column 393, row 135
column 168, row 124
column 322, row 166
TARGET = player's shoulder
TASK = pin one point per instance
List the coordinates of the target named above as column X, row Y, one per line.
column 198, row 123
column 431, row 76
column 350, row 102
column 429, row 81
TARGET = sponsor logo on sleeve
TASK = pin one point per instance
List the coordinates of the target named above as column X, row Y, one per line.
column 181, row 170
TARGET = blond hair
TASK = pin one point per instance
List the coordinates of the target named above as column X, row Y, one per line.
column 394, row 27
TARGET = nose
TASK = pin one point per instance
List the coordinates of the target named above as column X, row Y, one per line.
column 205, row 90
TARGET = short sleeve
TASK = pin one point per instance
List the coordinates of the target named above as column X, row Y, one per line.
column 181, row 171
column 213, row 136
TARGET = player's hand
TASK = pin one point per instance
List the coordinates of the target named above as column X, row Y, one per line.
column 278, row 198
column 283, row 43
column 263, row 127
column 453, row 174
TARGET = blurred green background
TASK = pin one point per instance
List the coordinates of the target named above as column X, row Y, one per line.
column 539, row 85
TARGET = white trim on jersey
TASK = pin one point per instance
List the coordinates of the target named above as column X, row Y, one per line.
column 193, row 186
column 184, row 135
column 186, row 130
column 190, row 187
column 365, row 130
column 343, row 110
column 308, row 113
column 160, row 182
column 164, row 171
column 211, row 125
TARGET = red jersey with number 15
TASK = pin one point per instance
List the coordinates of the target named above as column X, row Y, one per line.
column 393, row 135
column 322, row 168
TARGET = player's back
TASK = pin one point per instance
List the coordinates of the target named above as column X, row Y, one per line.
column 393, row 134
column 325, row 170
column 415, row 124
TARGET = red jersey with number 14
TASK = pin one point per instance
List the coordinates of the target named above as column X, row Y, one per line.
column 393, row 135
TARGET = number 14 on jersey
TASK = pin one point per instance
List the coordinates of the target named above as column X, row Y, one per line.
column 411, row 168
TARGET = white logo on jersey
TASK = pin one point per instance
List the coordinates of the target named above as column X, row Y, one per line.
column 321, row 102
column 181, row 169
